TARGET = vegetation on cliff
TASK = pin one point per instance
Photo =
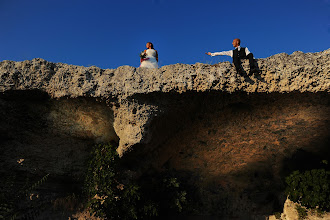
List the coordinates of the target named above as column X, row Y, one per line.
column 112, row 195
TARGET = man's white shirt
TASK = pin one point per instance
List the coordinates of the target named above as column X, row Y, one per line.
column 230, row 52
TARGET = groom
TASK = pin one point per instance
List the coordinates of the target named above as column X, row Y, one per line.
column 238, row 54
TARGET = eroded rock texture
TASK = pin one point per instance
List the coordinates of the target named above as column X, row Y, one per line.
column 227, row 133
column 280, row 73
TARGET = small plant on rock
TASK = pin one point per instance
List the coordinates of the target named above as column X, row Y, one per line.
column 277, row 215
column 302, row 212
column 310, row 188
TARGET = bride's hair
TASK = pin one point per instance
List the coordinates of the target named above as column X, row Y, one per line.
column 151, row 45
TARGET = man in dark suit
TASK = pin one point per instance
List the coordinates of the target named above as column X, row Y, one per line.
column 238, row 54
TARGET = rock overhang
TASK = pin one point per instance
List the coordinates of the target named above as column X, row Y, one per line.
column 122, row 87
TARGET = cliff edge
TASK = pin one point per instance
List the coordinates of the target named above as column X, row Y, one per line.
column 282, row 73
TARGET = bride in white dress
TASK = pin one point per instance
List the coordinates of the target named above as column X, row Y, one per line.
column 151, row 58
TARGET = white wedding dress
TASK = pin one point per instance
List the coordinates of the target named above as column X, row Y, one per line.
column 151, row 62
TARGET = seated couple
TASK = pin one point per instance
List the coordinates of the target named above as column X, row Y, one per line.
column 149, row 57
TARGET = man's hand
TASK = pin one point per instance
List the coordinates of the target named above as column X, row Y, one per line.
column 208, row 53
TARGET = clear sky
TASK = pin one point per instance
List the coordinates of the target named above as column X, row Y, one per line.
column 112, row 33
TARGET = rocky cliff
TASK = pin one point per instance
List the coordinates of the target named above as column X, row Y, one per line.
column 281, row 73
column 223, row 132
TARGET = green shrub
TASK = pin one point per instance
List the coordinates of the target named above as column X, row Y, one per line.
column 310, row 188
column 108, row 196
column 171, row 193
column 112, row 196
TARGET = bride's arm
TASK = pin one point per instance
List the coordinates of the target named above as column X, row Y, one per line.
column 141, row 58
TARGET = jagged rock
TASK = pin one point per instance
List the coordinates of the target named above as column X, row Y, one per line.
column 280, row 73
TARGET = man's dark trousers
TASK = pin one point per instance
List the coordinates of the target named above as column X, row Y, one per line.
column 238, row 55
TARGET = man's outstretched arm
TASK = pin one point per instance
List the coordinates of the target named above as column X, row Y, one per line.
column 227, row 53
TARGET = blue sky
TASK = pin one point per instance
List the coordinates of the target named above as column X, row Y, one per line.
column 111, row 33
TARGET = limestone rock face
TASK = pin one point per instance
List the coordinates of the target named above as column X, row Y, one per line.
column 283, row 73
column 234, row 138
